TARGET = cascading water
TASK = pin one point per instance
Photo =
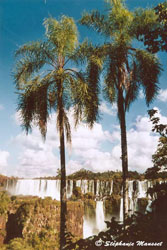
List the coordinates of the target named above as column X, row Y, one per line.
column 121, row 210
column 40, row 188
column 100, row 218
column 134, row 194
column 142, row 189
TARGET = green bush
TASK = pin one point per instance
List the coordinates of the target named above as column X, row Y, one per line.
column 77, row 193
column 4, row 202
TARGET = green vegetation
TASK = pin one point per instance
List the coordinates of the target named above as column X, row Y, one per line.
column 154, row 35
column 112, row 204
column 47, row 239
column 84, row 174
column 142, row 204
column 33, row 223
column 159, row 169
column 4, row 202
column 77, row 194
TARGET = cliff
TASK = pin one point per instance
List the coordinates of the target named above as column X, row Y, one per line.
column 28, row 216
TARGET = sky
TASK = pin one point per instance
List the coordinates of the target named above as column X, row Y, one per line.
column 97, row 149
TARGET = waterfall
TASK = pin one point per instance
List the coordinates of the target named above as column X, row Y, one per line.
column 40, row 188
column 100, row 218
column 87, row 228
column 121, row 211
column 131, row 200
column 142, row 189
column 149, row 208
column 69, row 185
column 111, row 187
column 98, row 188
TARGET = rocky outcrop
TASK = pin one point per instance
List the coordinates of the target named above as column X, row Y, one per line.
column 2, row 228
column 28, row 216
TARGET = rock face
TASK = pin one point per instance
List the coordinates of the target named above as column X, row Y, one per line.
column 31, row 216
column 2, row 228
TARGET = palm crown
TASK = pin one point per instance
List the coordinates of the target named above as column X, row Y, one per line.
column 44, row 79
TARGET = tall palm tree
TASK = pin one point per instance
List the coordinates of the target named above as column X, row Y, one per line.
column 126, row 68
column 46, row 82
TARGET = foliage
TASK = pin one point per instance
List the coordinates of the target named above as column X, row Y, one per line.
column 4, row 202
column 77, row 193
column 154, row 35
column 89, row 195
column 18, row 244
column 134, row 175
column 47, row 239
column 84, row 174
column 159, row 158
column 157, row 126
column 112, row 204
column 3, row 180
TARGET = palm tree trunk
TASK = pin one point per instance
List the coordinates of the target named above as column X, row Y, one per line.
column 62, row 192
column 124, row 157
column 63, row 205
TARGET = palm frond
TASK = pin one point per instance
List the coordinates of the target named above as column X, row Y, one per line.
column 62, row 34
column 79, row 95
column 42, row 108
column 92, row 100
column 26, row 107
column 24, row 70
column 33, row 105
column 149, row 70
column 132, row 89
column 97, row 21
column 32, row 57
column 111, row 78
column 67, row 128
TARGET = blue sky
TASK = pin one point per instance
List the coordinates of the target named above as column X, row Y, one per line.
column 99, row 149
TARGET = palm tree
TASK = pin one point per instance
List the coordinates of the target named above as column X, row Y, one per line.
column 46, row 83
column 126, row 68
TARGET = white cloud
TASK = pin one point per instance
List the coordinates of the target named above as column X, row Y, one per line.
column 37, row 158
column 142, row 143
column 112, row 110
column 35, row 163
column 4, row 155
column 162, row 95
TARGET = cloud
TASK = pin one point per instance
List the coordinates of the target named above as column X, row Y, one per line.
column 39, row 158
column 162, row 95
column 4, row 155
column 142, row 143
column 109, row 111
column 35, row 163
